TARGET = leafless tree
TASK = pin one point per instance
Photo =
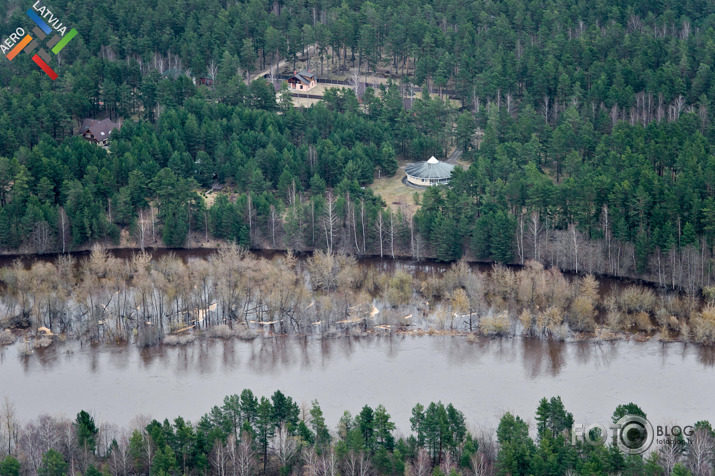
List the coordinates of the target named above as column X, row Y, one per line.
column 10, row 423
column 311, row 461
column 274, row 223
column 545, row 110
column 212, row 70
column 141, row 232
column 357, row 464
column 329, row 220
column 535, row 228
column 480, row 466
column 380, row 228
column 328, row 463
column 575, row 243
column 250, row 212
column 362, row 219
column 511, row 105
column 120, row 460
column 669, row 454
column 392, row 230
column 422, row 465
column 219, row 457
column 63, row 228
column 700, row 452
column 284, row 446
column 356, row 82
column 41, row 237
column 245, row 462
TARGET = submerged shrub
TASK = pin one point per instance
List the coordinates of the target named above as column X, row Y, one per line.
column 550, row 321
column 6, row 338
column 637, row 299
column 643, row 322
column 704, row 326
column 496, row 324
column 179, row 339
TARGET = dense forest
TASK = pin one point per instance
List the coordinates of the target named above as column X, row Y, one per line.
column 248, row 435
column 588, row 127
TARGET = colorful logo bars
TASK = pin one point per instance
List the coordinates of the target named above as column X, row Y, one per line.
column 28, row 44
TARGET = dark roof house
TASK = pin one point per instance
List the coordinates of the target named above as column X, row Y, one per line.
column 431, row 172
column 98, row 130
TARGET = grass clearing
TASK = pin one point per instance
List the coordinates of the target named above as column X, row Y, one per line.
column 396, row 194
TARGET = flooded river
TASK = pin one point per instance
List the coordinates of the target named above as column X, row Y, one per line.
column 673, row 383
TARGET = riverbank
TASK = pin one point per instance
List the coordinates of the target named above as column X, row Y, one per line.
column 199, row 247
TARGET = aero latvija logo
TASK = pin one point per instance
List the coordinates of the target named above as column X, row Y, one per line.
column 20, row 41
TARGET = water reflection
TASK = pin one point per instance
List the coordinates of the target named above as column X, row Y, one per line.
column 543, row 356
column 482, row 377
column 706, row 355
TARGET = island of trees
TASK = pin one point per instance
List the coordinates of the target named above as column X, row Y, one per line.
column 235, row 293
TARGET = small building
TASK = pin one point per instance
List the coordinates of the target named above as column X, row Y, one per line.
column 98, row 131
column 431, row 172
column 303, row 81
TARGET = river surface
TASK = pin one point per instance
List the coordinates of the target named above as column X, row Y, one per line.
column 673, row 383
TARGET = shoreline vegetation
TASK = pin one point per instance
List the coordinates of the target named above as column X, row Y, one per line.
column 234, row 293
column 249, row 434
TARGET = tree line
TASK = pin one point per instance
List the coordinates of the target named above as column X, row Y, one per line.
column 248, row 435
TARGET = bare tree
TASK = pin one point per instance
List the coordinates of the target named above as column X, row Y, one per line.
column 392, row 230
column 422, row 465
column 669, row 454
column 380, row 228
column 535, row 228
column 250, row 217
column 284, row 445
column 362, row 219
column 329, row 220
column 245, row 463
column 312, row 462
column 480, row 466
column 63, row 228
column 328, row 463
column 153, row 227
column 274, row 223
column 119, row 458
column 355, row 81
column 357, row 464
column 141, row 232
column 520, row 236
column 511, row 105
column 545, row 110
column 10, row 423
column 700, row 452
column 41, row 237
column 219, row 457
column 575, row 242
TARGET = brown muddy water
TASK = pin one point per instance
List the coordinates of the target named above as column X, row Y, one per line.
column 673, row 383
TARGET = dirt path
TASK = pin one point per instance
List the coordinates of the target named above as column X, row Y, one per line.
column 309, row 50
column 454, row 156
